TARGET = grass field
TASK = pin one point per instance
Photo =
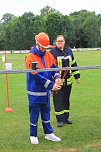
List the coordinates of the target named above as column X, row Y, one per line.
column 84, row 135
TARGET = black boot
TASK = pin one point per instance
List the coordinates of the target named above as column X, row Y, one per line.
column 68, row 121
column 60, row 124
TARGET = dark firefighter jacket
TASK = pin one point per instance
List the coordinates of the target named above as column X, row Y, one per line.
column 66, row 58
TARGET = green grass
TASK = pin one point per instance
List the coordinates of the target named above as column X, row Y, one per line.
column 84, row 135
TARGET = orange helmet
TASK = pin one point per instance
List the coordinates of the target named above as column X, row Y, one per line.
column 42, row 39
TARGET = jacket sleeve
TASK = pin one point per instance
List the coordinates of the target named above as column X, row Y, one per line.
column 48, row 84
column 75, row 73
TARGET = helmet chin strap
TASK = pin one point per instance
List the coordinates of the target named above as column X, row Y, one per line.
column 38, row 47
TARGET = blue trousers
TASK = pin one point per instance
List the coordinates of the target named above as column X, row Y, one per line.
column 44, row 109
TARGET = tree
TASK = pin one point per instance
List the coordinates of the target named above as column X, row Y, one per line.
column 91, row 30
column 99, row 27
column 81, row 38
column 2, row 36
column 7, row 17
column 53, row 25
column 81, row 29
column 67, row 29
column 24, row 29
column 39, row 24
column 47, row 10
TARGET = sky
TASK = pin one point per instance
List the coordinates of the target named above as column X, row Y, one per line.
column 19, row 7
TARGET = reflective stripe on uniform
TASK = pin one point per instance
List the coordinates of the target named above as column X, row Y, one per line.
column 69, row 81
column 37, row 93
column 61, row 112
column 47, row 83
column 76, row 72
column 33, row 124
column 59, row 60
column 72, row 62
column 46, row 121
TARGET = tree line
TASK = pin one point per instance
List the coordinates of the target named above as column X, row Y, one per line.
column 81, row 29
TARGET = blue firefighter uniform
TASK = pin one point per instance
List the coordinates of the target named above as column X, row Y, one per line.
column 61, row 98
column 38, row 89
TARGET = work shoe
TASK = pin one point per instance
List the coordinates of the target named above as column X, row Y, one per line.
column 34, row 140
column 60, row 124
column 52, row 137
column 68, row 121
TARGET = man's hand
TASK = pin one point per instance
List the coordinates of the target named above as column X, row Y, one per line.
column 56, row 87
column 78, row 81
column 58, row 81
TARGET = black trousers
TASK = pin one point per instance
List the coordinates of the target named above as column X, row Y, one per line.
column 61, row 100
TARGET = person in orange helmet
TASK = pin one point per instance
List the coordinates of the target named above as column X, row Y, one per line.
column 39, row 86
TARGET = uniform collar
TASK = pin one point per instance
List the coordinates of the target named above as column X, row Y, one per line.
column 38, row 52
